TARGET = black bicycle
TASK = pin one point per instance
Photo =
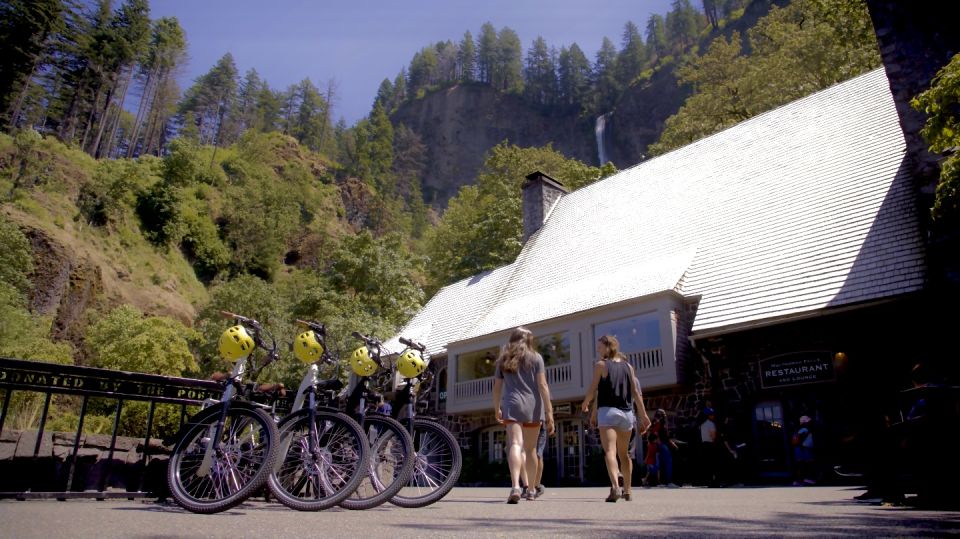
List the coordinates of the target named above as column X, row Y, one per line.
column 391, row 457
column 323, row 452
column 226, row 452
column 438, row 459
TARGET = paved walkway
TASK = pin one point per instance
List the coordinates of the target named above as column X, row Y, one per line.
column 481, row 512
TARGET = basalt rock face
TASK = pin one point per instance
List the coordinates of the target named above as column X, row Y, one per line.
column 64, row 286
column 458, row 125
column 638, row 118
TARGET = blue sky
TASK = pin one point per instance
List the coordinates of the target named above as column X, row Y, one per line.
column 359, row 43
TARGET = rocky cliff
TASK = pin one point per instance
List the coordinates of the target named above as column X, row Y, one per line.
column 460, row 123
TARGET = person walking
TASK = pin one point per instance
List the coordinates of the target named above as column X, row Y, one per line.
column 665, row 447
column 617, row 393
column 803, row 445
column 521, row 398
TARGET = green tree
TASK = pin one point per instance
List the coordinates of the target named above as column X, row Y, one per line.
column 377, row 273
column 573, row 74
column 423, row 70
column 508, row 71
column 375, row 151
column 487, row 53
column 633, row 55
column 540, row 74
column 16, row 258
column 127, row 340
column 467, row 58
column 166, row 51
column 211, row 100
column 605, row 86
column 26, row 29
column 941, row 104
column 657, row 36
column 796, row 50
column 682, row 26
column 311, row 116
column 482, row 226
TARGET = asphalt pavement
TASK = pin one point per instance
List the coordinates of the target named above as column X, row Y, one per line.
column 481, row 512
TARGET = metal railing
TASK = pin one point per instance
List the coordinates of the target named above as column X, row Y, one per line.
column 51, row 379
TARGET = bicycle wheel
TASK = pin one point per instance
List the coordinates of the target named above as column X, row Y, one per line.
column 209, row 476
column 437, row 465
column 390, row 465
column 320, row 465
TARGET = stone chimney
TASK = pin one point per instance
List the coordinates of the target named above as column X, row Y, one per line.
column 540, row 195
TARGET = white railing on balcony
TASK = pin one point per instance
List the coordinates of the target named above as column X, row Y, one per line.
column 559, row 374
column 472, row 389
column 646, row 361
column 483, row 387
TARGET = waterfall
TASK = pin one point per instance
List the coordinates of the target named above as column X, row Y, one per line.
column 598, row 130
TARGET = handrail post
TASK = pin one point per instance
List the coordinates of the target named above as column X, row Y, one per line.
column 43, row 423
column 76, row 443
column 113, row 445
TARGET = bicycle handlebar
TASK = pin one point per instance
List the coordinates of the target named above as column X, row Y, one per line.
column 413, row 344
column 317, row 327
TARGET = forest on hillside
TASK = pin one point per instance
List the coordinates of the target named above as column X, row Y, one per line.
column 164, row 206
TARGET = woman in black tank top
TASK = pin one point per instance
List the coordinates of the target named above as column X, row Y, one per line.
column 618, row 394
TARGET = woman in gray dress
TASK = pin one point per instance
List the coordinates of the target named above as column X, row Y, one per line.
column 520, row 399
column 618, row 393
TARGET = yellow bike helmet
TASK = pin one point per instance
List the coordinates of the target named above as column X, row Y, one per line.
column 362, row 363
column 236, row 343
column 410, row 364
column 307, row 347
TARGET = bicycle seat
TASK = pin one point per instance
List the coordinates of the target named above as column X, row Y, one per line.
column 272, row 389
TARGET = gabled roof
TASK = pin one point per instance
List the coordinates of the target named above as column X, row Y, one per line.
column 799, row 209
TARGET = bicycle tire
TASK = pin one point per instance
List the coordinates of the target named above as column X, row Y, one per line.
column 390, row 465
column 237, row 468
column 319, row 481
column 437, row 466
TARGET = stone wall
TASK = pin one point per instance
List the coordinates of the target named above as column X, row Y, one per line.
column 21, row 471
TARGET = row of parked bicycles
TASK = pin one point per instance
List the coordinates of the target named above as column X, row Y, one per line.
column 331, row 449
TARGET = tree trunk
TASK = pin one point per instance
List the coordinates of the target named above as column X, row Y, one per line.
column 141, row 110
column 111, row 140
column 15, row 110
column 104, row 118
column 91, row 115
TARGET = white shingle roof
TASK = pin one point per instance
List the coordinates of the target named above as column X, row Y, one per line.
column 802, row 208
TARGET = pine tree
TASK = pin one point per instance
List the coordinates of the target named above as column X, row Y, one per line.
column 540, row 74
column 467, row 58
column 656, row 36
column 26, row 31
column 508, row 74
column 605, row 85
column 487, row 53
column 574, row 76
column 632, row 57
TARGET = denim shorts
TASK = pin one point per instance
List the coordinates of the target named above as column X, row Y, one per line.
column 615, row 418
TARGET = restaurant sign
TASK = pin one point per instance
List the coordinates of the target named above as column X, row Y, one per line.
column 797, row 368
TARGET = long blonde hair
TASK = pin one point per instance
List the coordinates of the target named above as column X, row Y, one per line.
column 518, row 351
column 613, row 347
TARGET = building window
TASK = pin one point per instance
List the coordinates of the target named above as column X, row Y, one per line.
column 636, row 334
column 493, row 444
column 442, row 387
column 479, row 364
column 555, row 348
